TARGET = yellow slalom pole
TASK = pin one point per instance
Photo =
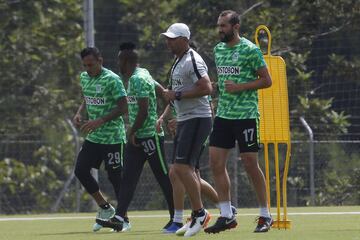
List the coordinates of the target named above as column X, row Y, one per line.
column 277, row 174
column 257, row 31
column 267, row 173
column 287, row 224
column 274, row 126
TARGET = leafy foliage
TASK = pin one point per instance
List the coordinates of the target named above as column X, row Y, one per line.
column 39, row 44
column 39, row 63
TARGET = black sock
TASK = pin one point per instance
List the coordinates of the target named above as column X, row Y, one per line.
column 105, row 206
column 198, row 213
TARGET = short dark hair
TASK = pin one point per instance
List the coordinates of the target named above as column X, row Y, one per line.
column 127, row 46
column 234, row 16
column 128, row 51
column 193, row 45
column 90, row 51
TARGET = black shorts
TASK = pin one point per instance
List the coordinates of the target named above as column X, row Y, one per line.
column 189, row 140
column 150, row 149
column 197, row 165
column 92, row 155
column 226, row 131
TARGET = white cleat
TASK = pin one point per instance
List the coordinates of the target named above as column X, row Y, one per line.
column 181, row 231
column 197, row 224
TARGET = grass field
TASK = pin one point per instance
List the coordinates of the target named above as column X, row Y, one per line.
column 339, row 223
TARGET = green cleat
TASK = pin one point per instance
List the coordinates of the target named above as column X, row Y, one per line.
column 96, row 227
column 105, row 214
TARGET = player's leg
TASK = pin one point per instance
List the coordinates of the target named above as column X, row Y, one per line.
column 178, row 198
column 114, row 160
column 249, row 146
column 256, row 176
column 222, row 140
column 209, row 192
column 158, row 165
column 134, row 160
column 192, row 135
column 90, row 157
column 206, row 189
column 178, row 195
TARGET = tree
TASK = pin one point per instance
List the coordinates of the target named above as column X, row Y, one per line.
column 307, row 34
column 39, row 45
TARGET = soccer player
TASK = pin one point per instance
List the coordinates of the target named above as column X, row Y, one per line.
column 105, row 102
column 144, row 143
column 190, row 86
column 241, row 71
column 178, row 189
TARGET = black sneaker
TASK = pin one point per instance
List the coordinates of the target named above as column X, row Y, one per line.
column 113, row 223
column 222, row 224
column 168, row 224
column 264, row 224
column 233, row 210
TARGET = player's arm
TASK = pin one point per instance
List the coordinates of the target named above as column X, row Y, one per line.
column 201, row 87
column 119, row 110
column 263, row 81
column 161, row 92
column 141, row 116
column 164, row 115
column 77, row 119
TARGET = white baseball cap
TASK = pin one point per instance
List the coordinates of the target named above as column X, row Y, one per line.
column 177, row 30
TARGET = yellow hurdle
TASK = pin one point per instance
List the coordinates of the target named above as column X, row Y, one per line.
column 275, row 127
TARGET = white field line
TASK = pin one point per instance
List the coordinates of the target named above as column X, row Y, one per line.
column 3, row 219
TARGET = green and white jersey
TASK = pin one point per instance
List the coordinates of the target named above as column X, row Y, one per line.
column 101, row 94
column 239, row 64
column 142, row 85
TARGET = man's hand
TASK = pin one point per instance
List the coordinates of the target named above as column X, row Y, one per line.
column 232, row 87
column 159, row 123
column 214, row 85
column 132, row 139
column 91, row 125
column 77, row 120
column 172, row 126
column 169, row 95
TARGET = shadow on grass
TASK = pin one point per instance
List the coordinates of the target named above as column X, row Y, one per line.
column 130, row 233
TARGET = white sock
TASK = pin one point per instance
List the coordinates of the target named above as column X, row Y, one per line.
column 178, row 216
column 119, row 218
column 225, row 209
column 264, row 212
column 217, row 206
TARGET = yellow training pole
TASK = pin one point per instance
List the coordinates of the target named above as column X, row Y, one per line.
column 275, row 127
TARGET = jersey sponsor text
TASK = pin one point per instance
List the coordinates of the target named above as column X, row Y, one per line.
column 95, row 101
column 228, row 70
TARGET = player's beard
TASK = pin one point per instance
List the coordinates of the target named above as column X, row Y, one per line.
column 226, row 37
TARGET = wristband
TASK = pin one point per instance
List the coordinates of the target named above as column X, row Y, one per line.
column 178, row 95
